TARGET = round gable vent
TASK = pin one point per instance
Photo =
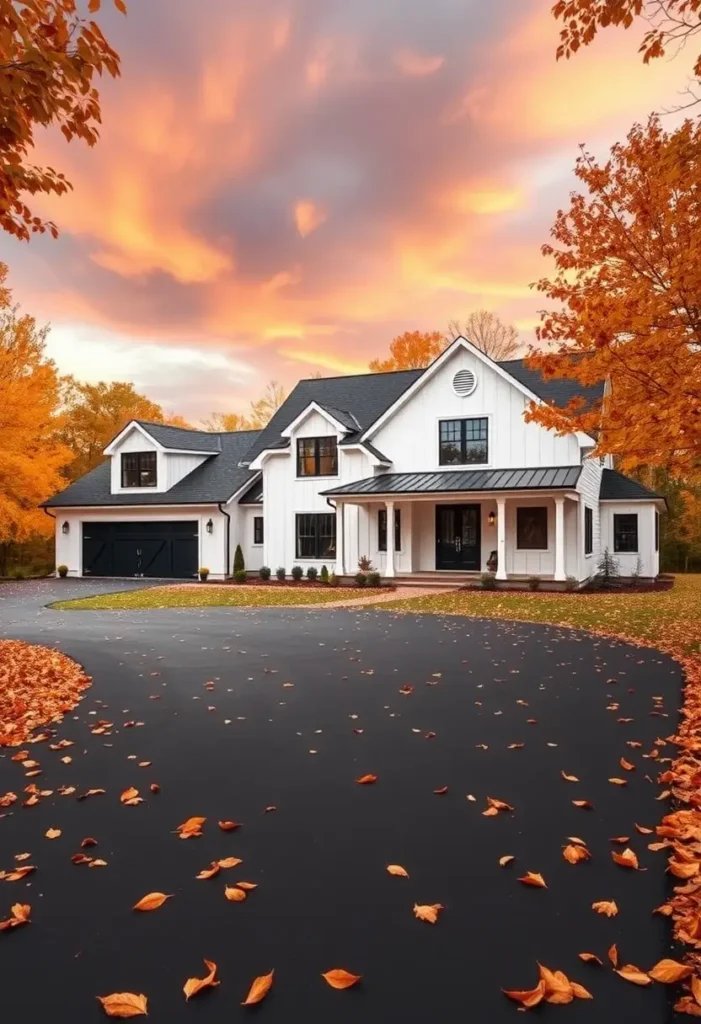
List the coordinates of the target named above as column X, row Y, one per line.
column 464, row 383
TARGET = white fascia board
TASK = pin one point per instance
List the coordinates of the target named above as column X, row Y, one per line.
column 263, row 456
column 132, row 425
column 307, row 411
column 374, row 461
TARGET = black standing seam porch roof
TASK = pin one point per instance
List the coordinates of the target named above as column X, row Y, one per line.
column 446, row 481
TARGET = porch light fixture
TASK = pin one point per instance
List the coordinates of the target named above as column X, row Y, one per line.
column 66, row 527
column 492, row 518
column 210, row 526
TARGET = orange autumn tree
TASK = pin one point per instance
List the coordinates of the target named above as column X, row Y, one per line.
column 411, row 351
column 50, row 58
column 31, row 457
column 670, row 24
column 627, row 285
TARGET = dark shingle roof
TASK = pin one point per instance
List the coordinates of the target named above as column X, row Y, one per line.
column 254, row 494
column 617, row 487
column 559, row 391
column 182, row 438
column 347, row 419
column 463, row 480
column 215, row 480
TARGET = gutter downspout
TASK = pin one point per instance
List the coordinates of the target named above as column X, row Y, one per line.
column 228, row 539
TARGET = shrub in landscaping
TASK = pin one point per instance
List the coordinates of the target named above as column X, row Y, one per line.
column 360, row 579
column 18, row 574
column 312, row 573
column 488, row 581
column 62, row 570
column 636, row 573
column 240, row 575
column 281, row 573
column 571, row 583
column 608, row 571
column 297, row 573
column 374, row 579
column 203, row 573
column 264, row 572
column 365, row 564
column 534, row 582
column 324, row 574
column 333, row 580
column 238, row 560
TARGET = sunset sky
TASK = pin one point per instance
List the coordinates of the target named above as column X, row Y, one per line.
column 282, row 186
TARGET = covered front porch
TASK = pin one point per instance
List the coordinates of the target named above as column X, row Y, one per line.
column 459, row 532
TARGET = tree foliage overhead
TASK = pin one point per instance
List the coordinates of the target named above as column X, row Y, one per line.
column 411, row 351
column 671, row 23
column 31, row 457
column 627, row 288
column 50, row 57
column 488, row 332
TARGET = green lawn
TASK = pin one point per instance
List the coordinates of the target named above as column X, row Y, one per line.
column 206, row 596
column 670, row 620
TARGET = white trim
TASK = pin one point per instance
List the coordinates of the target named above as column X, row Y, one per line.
column 307, row 411
column 437, row 363
column 358, row 447
column 260, row 459
column 132, row 425
column 241, row 489
column 458, row 466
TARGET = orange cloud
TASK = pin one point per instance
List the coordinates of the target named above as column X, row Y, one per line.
column 308, row 216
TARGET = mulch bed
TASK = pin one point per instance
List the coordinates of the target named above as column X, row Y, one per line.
column 37, row 685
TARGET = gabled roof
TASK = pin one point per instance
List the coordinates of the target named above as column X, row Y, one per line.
column 617, row 487
column 559, row 390
column 182, row 438
column 214, row 481
column 552, row 478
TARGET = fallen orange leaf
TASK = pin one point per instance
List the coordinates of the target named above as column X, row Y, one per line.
column 229, row 826
column 644, row 831
column 366, row 780
column 397, row 869
column 627, row 859
column 503, row 861
column 586, row 804
column 190, row 828
column 194, row 985
column 247, row 886
column 209, row 872
column 669, row 972
column 558, row 989
column 634, row 975
column 130, row 796
column 338, row 978
column 619, row 782
column 613, row 954
column 229, row 862
column 527, row 998
column 234, row 893
column 259, row 989
column 626, row 765
column 569, row 778
column 441, row 791
column 152, row 901
column 533, row 878
column 590, row 958
column 427, row 911
column 124, row 1004
column 52, row 833
column 607, row 907
column 575, row 852
column 579, row 991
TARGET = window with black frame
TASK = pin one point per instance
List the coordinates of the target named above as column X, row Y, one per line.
column 382, row 529
column 315, row 535
column 625, row 532
column 532, row 528
column 258, row 529
column 463, row 442
column 139, row 469
column 317, row 456
column 588, row 530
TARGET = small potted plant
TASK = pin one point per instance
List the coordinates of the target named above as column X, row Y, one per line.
column 203, row 573
column 62, row 570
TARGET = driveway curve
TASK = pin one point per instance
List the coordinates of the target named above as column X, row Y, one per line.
column 496, row 710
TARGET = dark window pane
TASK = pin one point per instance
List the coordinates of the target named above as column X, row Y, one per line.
column 130, row 471
column 625, row 532
column 532, row 528
column 315, row 535
column 463, row 442
column 258, row 529
column 317, row 456
column 382, row 530
column 657, row 531
column 397, row 529
column 588, row 530
column 139, row 469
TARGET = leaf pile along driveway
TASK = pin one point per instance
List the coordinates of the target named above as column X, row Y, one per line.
column 427, row 809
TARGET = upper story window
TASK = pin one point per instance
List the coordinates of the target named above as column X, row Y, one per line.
column 317, row 456
column 139, row 469
column 464, row 442
column 625, row 532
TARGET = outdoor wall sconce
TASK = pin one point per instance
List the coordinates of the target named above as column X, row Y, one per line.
column 492, row 518
column 210, row 526
column 66, row 527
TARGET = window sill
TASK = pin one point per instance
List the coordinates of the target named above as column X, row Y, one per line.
column 534, row 551
column 314, row 476
column 627, row 552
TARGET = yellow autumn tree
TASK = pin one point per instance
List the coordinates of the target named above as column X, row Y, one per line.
column 50, row 59
column 626, row 290
column 411, row 351
column 31, row 457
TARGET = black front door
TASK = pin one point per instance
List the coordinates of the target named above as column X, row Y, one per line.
column 458, row 537
column 156, row 550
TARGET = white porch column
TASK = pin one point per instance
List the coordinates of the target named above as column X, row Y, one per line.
column 560, row 537
column 389, row 564
column 501, row 539
column 340, row 539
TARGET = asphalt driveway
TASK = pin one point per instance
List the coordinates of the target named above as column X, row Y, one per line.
column 226, row 738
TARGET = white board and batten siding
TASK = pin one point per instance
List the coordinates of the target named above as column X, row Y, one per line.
column 170, row 467
column 649, row 556
column 243, row 533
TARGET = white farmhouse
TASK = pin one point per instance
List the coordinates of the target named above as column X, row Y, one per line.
column 428, row 473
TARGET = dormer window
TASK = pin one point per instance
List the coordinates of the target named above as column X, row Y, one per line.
column 139, row 469
column 317, row 456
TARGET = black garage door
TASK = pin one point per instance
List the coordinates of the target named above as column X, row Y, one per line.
column 164, row 550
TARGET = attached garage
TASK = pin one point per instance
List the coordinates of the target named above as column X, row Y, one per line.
column 161, row 550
